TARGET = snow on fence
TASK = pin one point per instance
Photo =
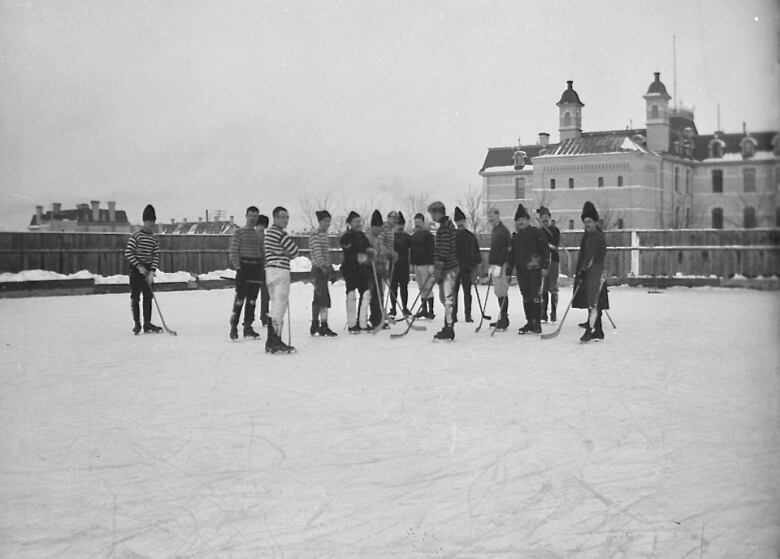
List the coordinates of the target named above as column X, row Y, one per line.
column 702, row 252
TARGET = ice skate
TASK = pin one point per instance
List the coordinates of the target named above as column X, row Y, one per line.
column 446, row 333
column 150, row 328
column 325, row 331
column 250, row 333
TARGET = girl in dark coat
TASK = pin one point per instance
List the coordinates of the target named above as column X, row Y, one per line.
column 590, row 285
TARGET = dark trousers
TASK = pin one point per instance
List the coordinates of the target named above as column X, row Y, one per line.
column 377, row 297
column 138, row 285
column 530, row 284
column 321, row 300
column 466, row 281
column 400, row 281
column 248, row 280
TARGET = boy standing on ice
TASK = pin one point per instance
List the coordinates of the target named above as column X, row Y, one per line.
column 402, row 243
column 246, row 257
column 321, row 269
column 500, row 239
column 422, row 260
column 590, row 286
column 376, row 236
column 467, row 249
column 279, row 249
column 356, row 270
column 530, row 257
column 262, row 225
column 550, row 283
column 445, row 266
column 143, row 254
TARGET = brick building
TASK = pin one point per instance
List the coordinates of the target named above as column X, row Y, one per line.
column 665, row 175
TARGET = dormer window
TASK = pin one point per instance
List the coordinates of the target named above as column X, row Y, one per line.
column 716, row 148
column 518, row 159
column 748, row 147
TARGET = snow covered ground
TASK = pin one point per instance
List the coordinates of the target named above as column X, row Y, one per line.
column 663, row 441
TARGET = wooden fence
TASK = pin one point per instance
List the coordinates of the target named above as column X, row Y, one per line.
column 723, row 253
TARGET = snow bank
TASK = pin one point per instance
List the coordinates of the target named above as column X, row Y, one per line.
column 300, row 264
column 217, row 274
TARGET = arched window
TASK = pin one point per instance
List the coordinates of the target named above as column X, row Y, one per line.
column 518, row 159
column 620, row 223
column 717, row 218
column 748, row 147
column 571, row 224
column 620, row 180
column 716, row 148
column 677, row 179
column 654, row 112
column 687, row 217
column 601, row 181
column 749, row 217
column 566, row 119
column 552, row 184
column 520, row 188
column 571, row 183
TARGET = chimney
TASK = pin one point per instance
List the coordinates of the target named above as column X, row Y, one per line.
column 185, row 220
column 173, row 221
column 207, row 216
column 95, row 210
column 112, row 211
column 231, row 219
column 39, row 215
column 200, row 220
column 56, row 207
column 544, row 139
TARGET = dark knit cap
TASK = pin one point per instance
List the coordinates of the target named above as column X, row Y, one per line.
column 436, row 207
column 543, row 211
column 262, row 220
column 458, row 216
column 419, row 216
column 521, row 212
column 401, row 219
column 376, row 219
column 352, row 215
column 149, row 213
column 322, row 214
column 589, row 210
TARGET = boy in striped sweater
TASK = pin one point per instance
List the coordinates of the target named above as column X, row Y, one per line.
column 321, row 269
column 246, row 257
column 143, row 254
column 445, row 267
column 279, row 249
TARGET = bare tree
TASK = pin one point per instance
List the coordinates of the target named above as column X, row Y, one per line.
column 761, row 204
column 471, row 202
column 414, row 203
column 309, row 205
column 607, row 214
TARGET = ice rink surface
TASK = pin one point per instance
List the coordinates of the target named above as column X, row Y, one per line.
column 663, row 441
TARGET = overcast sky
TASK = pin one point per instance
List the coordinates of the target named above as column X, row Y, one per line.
column 195, row 105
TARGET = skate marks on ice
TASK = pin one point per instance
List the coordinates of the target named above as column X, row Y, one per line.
column 189, row 446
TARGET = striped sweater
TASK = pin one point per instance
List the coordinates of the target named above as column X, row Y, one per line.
column 143, row 249
column 444, row 253
column 246, row 243
column 279, row 248
column 320, row 249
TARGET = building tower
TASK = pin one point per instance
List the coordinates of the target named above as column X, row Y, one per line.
column 657, row 106
column 570, row 113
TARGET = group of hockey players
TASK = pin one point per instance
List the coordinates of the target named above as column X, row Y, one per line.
column 376, row 267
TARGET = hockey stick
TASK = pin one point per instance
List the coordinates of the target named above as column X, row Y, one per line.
column 379, row 326
column 479, row 302
column 258, row 282
column 612, row 322
column 487, row 297
column 563, row 318
column 503, row 307
column 289, row 326
column 165, row 326
column 412, row 325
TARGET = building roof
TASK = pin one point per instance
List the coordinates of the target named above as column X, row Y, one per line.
column 657, row 87
column 197, row 228
column 82, row 217
column 502, row 157
column 569, row 96
column 701, row 149
column 597, row 143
